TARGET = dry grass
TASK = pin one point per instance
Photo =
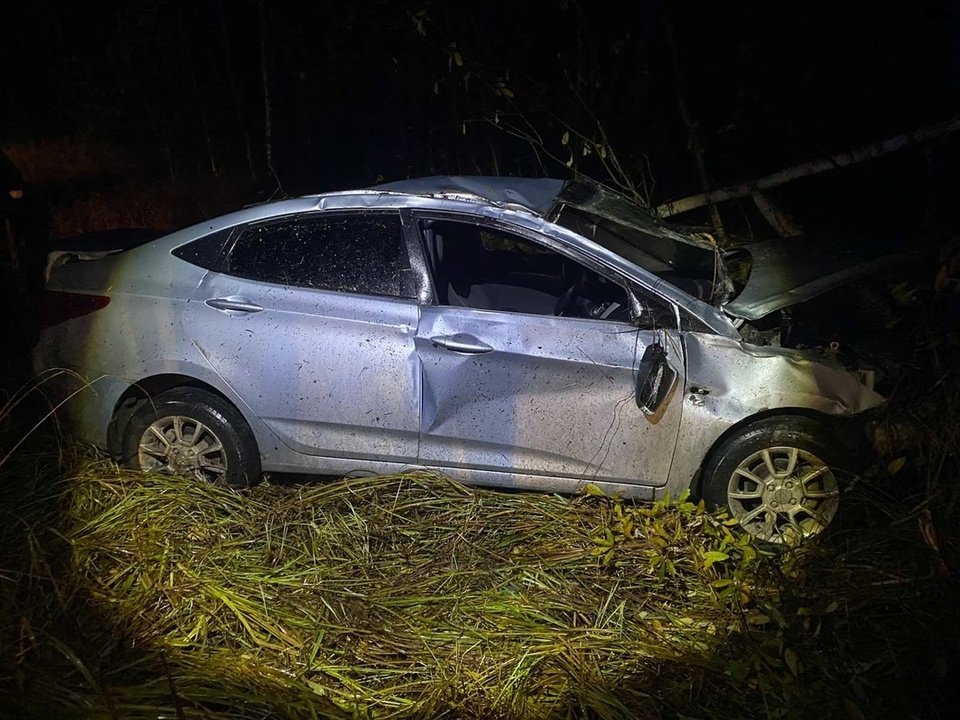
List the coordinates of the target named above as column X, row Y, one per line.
column 412, row 596
column 153, row 204
column 82, row 184
column 145, row 206
column 69, row 158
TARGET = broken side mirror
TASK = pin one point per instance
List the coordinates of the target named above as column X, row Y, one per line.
column 635, row 308
column 656, row 379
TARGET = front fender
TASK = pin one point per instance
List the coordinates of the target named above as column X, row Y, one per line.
column 729, row 381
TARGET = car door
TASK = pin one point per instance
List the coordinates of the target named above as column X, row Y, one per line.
column 509, row 385
column 311, row 320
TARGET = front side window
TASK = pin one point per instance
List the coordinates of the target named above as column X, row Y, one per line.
column 361, row 253
column 486, row 268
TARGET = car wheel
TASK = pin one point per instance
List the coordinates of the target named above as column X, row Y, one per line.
column 778, row 477
column 188, row 431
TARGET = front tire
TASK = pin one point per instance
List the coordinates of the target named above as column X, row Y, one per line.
column 188, row 431
column 778, row 477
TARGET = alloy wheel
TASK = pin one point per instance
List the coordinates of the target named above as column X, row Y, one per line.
column 783, row 494
column 183, row 446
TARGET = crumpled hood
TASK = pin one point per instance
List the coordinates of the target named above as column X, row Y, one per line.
column 788, row 271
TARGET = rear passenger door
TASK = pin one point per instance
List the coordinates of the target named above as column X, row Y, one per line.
column 311, row 320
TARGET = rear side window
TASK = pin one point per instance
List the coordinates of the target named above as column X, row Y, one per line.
column 362, row 253
column 207, row 251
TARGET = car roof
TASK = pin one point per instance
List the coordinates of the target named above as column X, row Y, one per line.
column 528, row 200
column 537, row 195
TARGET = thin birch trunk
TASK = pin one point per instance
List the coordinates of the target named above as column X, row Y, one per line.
column 813, row 167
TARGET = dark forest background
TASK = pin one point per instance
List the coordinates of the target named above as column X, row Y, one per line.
column 156, row 112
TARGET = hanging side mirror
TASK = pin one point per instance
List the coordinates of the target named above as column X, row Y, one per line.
column 656, row 379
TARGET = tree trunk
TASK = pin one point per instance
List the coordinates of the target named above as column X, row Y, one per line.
column 693, row 136
column 238, row 106
column 813, row 167
column 775, row 216
column 267, row 111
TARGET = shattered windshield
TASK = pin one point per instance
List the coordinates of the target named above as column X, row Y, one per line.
column 688, row 262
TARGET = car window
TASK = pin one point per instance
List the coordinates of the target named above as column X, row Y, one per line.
column 207, row 251
column 486, row 268
column 363, row 253
column 688, row 267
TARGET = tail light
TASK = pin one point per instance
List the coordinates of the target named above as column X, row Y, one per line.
column 57, row 307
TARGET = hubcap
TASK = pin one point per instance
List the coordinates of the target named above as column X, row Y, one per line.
column 783, row 494
column 183, row 446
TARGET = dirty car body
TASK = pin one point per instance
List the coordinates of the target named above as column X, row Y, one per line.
column 528, row 333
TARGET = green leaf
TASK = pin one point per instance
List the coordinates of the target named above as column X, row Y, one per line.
column 566, row 137
column 853, row 712
column 792, row 660
column 896, row 465
column 591, row 489
column 458, row 58
column 709, row 558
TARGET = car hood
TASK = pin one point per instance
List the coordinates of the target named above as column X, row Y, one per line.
column 788, row 271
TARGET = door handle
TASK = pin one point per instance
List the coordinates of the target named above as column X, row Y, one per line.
column 234, row 302
column 461, row 343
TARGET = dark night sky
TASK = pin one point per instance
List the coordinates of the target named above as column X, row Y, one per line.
column 361, row 92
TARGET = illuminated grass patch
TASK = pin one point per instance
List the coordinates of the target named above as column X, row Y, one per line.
column 410, row 596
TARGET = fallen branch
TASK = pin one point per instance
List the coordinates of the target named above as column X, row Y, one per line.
column 812, row 167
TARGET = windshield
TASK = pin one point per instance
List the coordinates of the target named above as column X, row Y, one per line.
column 685, row 260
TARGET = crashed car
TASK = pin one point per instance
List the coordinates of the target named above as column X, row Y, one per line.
column 528, row 333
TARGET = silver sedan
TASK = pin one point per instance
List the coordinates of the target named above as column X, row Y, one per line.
column 528, row 333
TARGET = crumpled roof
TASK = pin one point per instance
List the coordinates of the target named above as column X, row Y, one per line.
column 536, row 194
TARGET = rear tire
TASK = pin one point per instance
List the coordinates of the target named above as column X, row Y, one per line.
column 778, row 476
column 188, row 431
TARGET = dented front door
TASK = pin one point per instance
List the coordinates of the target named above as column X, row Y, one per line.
column 540, row 395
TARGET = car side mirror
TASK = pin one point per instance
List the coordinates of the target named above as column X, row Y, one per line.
column 635, row 309
column 656, row 379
